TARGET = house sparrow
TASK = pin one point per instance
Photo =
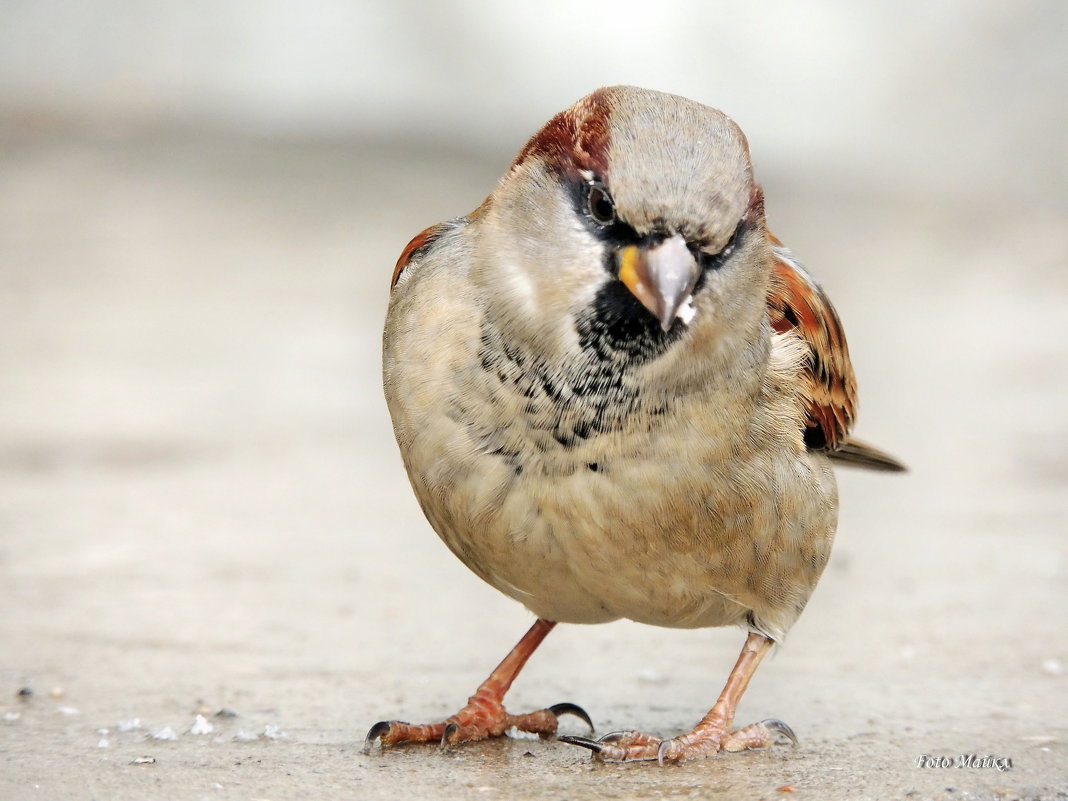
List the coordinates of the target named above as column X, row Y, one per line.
column 617, row 395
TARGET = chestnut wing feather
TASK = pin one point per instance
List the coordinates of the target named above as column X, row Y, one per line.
column 796, row 303
column 420, row 244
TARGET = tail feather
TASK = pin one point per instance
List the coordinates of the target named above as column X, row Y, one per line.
column 859, row 454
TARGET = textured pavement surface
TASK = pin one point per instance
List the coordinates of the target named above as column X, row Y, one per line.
column 202, row 508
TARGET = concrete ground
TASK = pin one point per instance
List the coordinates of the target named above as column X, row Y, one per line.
column 202, row 508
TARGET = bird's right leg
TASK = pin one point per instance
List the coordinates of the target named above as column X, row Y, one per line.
column 484, row 715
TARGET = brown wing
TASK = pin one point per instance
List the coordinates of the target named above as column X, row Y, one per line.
column 421, row 243
column 796, row 303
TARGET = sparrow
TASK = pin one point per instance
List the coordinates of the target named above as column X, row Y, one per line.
column 618, row 395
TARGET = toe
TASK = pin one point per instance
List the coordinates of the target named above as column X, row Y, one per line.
column 394, row 732
column 619, row 746
column 758, row 735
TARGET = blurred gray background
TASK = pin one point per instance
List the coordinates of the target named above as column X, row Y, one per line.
column 201, row 505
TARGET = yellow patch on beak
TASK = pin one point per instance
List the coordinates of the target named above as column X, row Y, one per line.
column 628, row 268
column 634, row 275
column 660, row 276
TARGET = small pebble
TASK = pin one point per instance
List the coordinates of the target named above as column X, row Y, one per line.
column 25, row 692
column 130, row 724
column 166, row 733
column 143, row 760
column 226, row 713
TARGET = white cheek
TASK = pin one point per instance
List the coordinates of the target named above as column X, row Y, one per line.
column 521, row 289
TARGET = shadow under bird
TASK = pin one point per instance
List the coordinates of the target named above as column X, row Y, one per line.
column 618, row 395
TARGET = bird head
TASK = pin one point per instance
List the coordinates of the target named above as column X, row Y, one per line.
column 629, row 222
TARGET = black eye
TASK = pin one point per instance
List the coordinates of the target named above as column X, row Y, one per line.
column 601, row 207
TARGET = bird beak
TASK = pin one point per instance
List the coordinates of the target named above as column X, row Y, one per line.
column 661, row 277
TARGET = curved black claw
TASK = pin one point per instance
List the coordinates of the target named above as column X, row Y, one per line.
column 567, row 708
column 447, row 732
column 374, row 733
column 777, row 725
column 584, row 742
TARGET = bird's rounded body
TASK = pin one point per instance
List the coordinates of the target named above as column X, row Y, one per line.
column 686, row 502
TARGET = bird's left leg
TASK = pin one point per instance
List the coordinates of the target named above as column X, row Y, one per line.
column 712, row 735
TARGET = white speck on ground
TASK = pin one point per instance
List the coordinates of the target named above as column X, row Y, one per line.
column 1053, row 667
column 201, row 726
column 516, row 734
column 272, row 732
column 652, row 676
